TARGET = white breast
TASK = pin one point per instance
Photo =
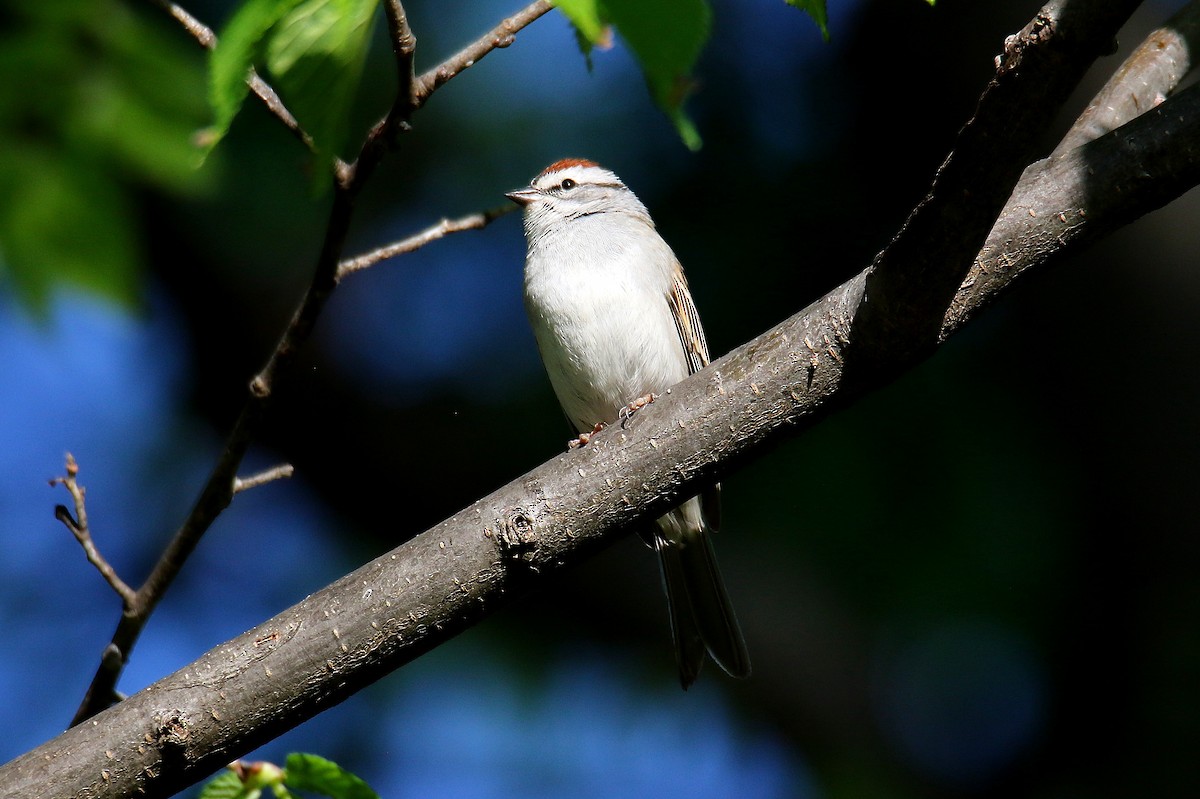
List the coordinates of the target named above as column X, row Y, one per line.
column 596, row 296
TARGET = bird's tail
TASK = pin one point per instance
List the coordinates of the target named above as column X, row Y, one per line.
column 702, row 618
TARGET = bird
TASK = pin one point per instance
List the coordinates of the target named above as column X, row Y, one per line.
column 615, row 326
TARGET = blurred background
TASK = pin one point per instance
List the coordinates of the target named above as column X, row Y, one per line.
column 978, row 582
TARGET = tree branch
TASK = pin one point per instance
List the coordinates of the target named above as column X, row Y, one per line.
column 445, row 227
column 1146, row 78
column 1066, row 202
column 333, row 643
column 404, row 48
column 78, row 525
column 1032, row 221
column 205, row 37
column 281, row 472
column 221, row 485
column 383, row 133
column 500, row 36
column 912, row 281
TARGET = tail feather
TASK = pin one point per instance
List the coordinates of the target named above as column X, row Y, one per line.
column 702, row 617
column 689, row 642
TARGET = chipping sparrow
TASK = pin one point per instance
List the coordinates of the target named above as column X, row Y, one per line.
column 615, row 325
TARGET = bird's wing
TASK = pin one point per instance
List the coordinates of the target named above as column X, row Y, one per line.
column 691, row 336
column 687, row 321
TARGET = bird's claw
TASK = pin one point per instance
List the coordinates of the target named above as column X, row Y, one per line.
column 635, row 406
column 584, row 438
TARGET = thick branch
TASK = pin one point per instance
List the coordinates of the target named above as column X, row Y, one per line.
column 911, row 282
column 1068, row 201
column 336, row 641
column 1146, row 78
column 1033, row 220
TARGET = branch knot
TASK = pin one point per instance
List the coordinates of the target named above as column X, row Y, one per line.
column 516, row 539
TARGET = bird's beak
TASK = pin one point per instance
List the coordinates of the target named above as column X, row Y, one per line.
column 523, row 196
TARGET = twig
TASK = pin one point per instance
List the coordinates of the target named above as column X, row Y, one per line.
column 351, row 177
column 205, row 37
column 200, row 32
column 445, row 227
column 78, row 525
column 220, row 487
column 404, row 48
column 498, row 37
column 281, row 472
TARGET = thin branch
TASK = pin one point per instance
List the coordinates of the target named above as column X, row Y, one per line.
column 78, row 525
column 199, row 31
column 265, row 92
column 205, row 37
column 219, row 489
column 404, row 48
column 281, row 472
column 352, row 176
column 500, row 36
column 1150, row 74
column 445, row 227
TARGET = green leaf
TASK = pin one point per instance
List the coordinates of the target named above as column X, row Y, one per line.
column 666, row 37
column 239, row 45
column 816, row 10
column 65, row 220
column 315, row 55
column 226, row 785
column 142, row 104
column 588, row 20
column 115, row 108
column 314, row 773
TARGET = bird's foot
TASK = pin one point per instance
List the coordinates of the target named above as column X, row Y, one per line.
column 584, row 438
column 635, row 406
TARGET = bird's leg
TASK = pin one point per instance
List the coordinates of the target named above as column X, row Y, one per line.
column 623, row 415
column 584, row 438
column 635, row 406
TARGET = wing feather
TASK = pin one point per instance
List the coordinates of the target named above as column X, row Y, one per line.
column 687, row 321
column 691, row 336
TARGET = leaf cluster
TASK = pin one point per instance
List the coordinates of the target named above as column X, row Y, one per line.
column 313, row 51
column 311, row 774
column 92, row 93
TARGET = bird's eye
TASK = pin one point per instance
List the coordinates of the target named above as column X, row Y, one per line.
column 568, row 184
